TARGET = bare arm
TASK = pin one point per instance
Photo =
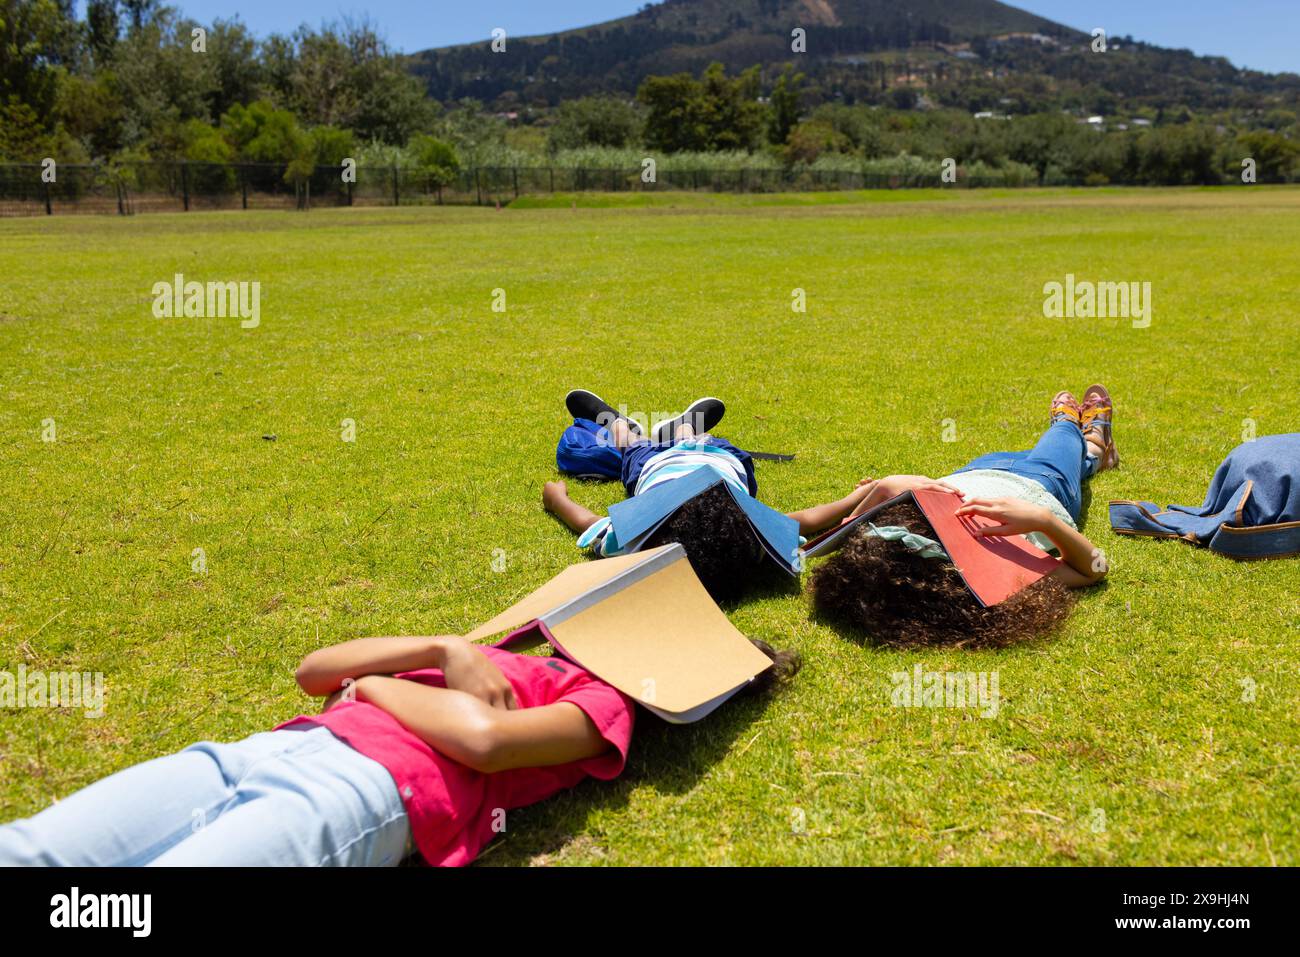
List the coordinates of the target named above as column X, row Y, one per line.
column 486, row 739
column 891, row 485
column 326, row 670
column 818, row 517
column 1084, row 563
column 323, row 671
column 555, row 499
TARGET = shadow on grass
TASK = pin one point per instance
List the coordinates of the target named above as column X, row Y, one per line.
column 769, row 581
column 1085, row 507
column 850, row 632
column 670, row 759
column 863, row 638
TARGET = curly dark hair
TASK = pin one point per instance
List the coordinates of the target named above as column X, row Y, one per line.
column 901, row 599
column 722, row 546
column 785, row 665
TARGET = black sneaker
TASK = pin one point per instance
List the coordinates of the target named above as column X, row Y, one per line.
column 703, row 415
column 587, row 405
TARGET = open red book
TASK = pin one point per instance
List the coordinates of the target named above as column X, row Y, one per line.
column 993, row 568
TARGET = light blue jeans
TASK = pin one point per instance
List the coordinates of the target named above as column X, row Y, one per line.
column 291, row 797
column 1059, row 462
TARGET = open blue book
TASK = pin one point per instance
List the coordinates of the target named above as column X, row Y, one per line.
column 635, row 519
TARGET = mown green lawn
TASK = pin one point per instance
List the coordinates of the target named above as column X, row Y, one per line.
column 1124, row 739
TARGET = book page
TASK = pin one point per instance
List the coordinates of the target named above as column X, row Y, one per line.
column 662, row 641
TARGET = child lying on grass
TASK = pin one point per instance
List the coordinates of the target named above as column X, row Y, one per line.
column 901, row 596
column 423, row 745
column 717, row 537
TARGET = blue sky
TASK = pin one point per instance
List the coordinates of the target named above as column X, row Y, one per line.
column 1262, row 34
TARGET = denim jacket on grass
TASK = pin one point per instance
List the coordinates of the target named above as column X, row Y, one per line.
column 1252, row 509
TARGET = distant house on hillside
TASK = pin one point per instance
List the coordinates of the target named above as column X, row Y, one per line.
column 1041, row 39
column 961, row 51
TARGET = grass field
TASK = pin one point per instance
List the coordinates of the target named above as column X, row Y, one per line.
column 1127, row 738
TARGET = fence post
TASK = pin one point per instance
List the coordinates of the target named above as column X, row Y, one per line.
column 349, row 194
column 478, row 187
column 243, row 186
column 185, row 184
column 515, row 170
column 396, row 197
column 552, row 179
column 49, row 207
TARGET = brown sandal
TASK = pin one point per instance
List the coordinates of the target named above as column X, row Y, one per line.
column 1099, row 416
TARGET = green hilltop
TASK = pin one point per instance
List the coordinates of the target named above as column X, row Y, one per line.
column 976, row 54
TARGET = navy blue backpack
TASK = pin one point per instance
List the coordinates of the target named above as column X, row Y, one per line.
column 587, row 450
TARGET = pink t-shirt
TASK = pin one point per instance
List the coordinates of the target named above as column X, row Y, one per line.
column 453, row 809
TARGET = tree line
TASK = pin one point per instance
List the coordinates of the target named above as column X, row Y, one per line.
column 134, row 80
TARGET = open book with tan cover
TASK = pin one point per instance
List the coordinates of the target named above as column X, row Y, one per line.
column 642, row 623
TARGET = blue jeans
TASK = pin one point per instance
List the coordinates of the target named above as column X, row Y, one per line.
column 292, row 797
column 1059, row 462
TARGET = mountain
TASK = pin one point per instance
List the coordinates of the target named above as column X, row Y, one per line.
column 976, row 54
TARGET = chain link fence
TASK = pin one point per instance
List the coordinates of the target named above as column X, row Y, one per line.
column 126, row 189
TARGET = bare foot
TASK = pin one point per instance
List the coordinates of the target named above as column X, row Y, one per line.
column 1096, row 447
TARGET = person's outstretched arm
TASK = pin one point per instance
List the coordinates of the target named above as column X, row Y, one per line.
column 819, row 517
column 868, row 494
column 1084, row 563
column 555, row 499
column 486, row 739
